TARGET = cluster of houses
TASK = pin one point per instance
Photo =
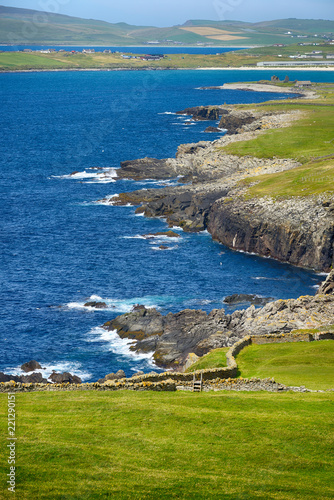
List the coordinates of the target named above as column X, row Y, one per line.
column 146, row 57
column 315, row 54
column 143, row 57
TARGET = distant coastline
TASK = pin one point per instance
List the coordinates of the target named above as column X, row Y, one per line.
column 241, row 68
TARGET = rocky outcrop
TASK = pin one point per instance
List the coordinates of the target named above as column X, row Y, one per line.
column 241, row 298
column 146, row 168
column 33, row 378
column 112, row 376
column 96, row 305
column 172, row 337
column 235, row 120
column 4, row 377
column 31, row 366
column 64, row 378
column 213, row 130
column 203, row 112
column 327, row 287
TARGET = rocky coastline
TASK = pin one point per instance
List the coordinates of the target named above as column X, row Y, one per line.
column 211, row 197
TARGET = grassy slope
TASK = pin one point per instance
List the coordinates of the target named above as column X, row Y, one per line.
column 308, row 140
column 24, row 26
column 302, row 363
column 214, row 359
column 125, row 445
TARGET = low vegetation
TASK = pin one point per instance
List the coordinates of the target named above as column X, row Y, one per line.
column 214, row 359
column 302, row 363
column 144, row 445
column 308, row 140
column 100, row 60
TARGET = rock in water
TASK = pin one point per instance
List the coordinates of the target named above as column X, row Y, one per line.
column 213, row 129
column 31, row 366
column 96, row 305
column 240, row 298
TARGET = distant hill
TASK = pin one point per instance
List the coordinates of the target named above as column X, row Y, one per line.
column 29, row 27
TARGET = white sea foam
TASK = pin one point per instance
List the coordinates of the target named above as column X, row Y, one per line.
column 167, row 113
column 60, row 367
column 163, row 249
column 136, row 237
column 116, row 305
column 117, row 345
column 103, row 175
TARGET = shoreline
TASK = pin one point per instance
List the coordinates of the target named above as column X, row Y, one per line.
column 241, row 68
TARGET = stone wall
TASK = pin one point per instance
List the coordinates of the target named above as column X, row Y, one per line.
column 168, row 381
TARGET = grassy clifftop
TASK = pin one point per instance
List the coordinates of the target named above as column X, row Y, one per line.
column 308, row 140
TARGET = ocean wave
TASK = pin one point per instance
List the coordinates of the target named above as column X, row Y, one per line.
column 72, row 367
column 119, row 305
column 167, row 113
column 117, row 345
column 96, row 175
column 163, row 249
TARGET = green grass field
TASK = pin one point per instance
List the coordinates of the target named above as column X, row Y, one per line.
column 309, row 140
column 214, row 359
column 302, row 363
column 13, row 61
column 126, row 445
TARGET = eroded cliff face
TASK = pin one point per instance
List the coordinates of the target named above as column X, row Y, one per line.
column 299, row 231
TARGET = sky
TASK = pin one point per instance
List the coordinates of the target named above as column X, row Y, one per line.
column 172, row 12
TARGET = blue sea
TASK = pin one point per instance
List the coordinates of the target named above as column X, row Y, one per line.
column 60, row 248
column 147, row 49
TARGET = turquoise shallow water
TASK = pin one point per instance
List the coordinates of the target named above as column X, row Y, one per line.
column 59, row 248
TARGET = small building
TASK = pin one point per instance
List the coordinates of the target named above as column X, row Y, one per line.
column 306, row 83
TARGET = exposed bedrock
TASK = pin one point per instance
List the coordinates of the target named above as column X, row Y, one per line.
column 233, row 120
column 174, row 336
column 146, row 168
column 204, row 112
column 299, row 231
